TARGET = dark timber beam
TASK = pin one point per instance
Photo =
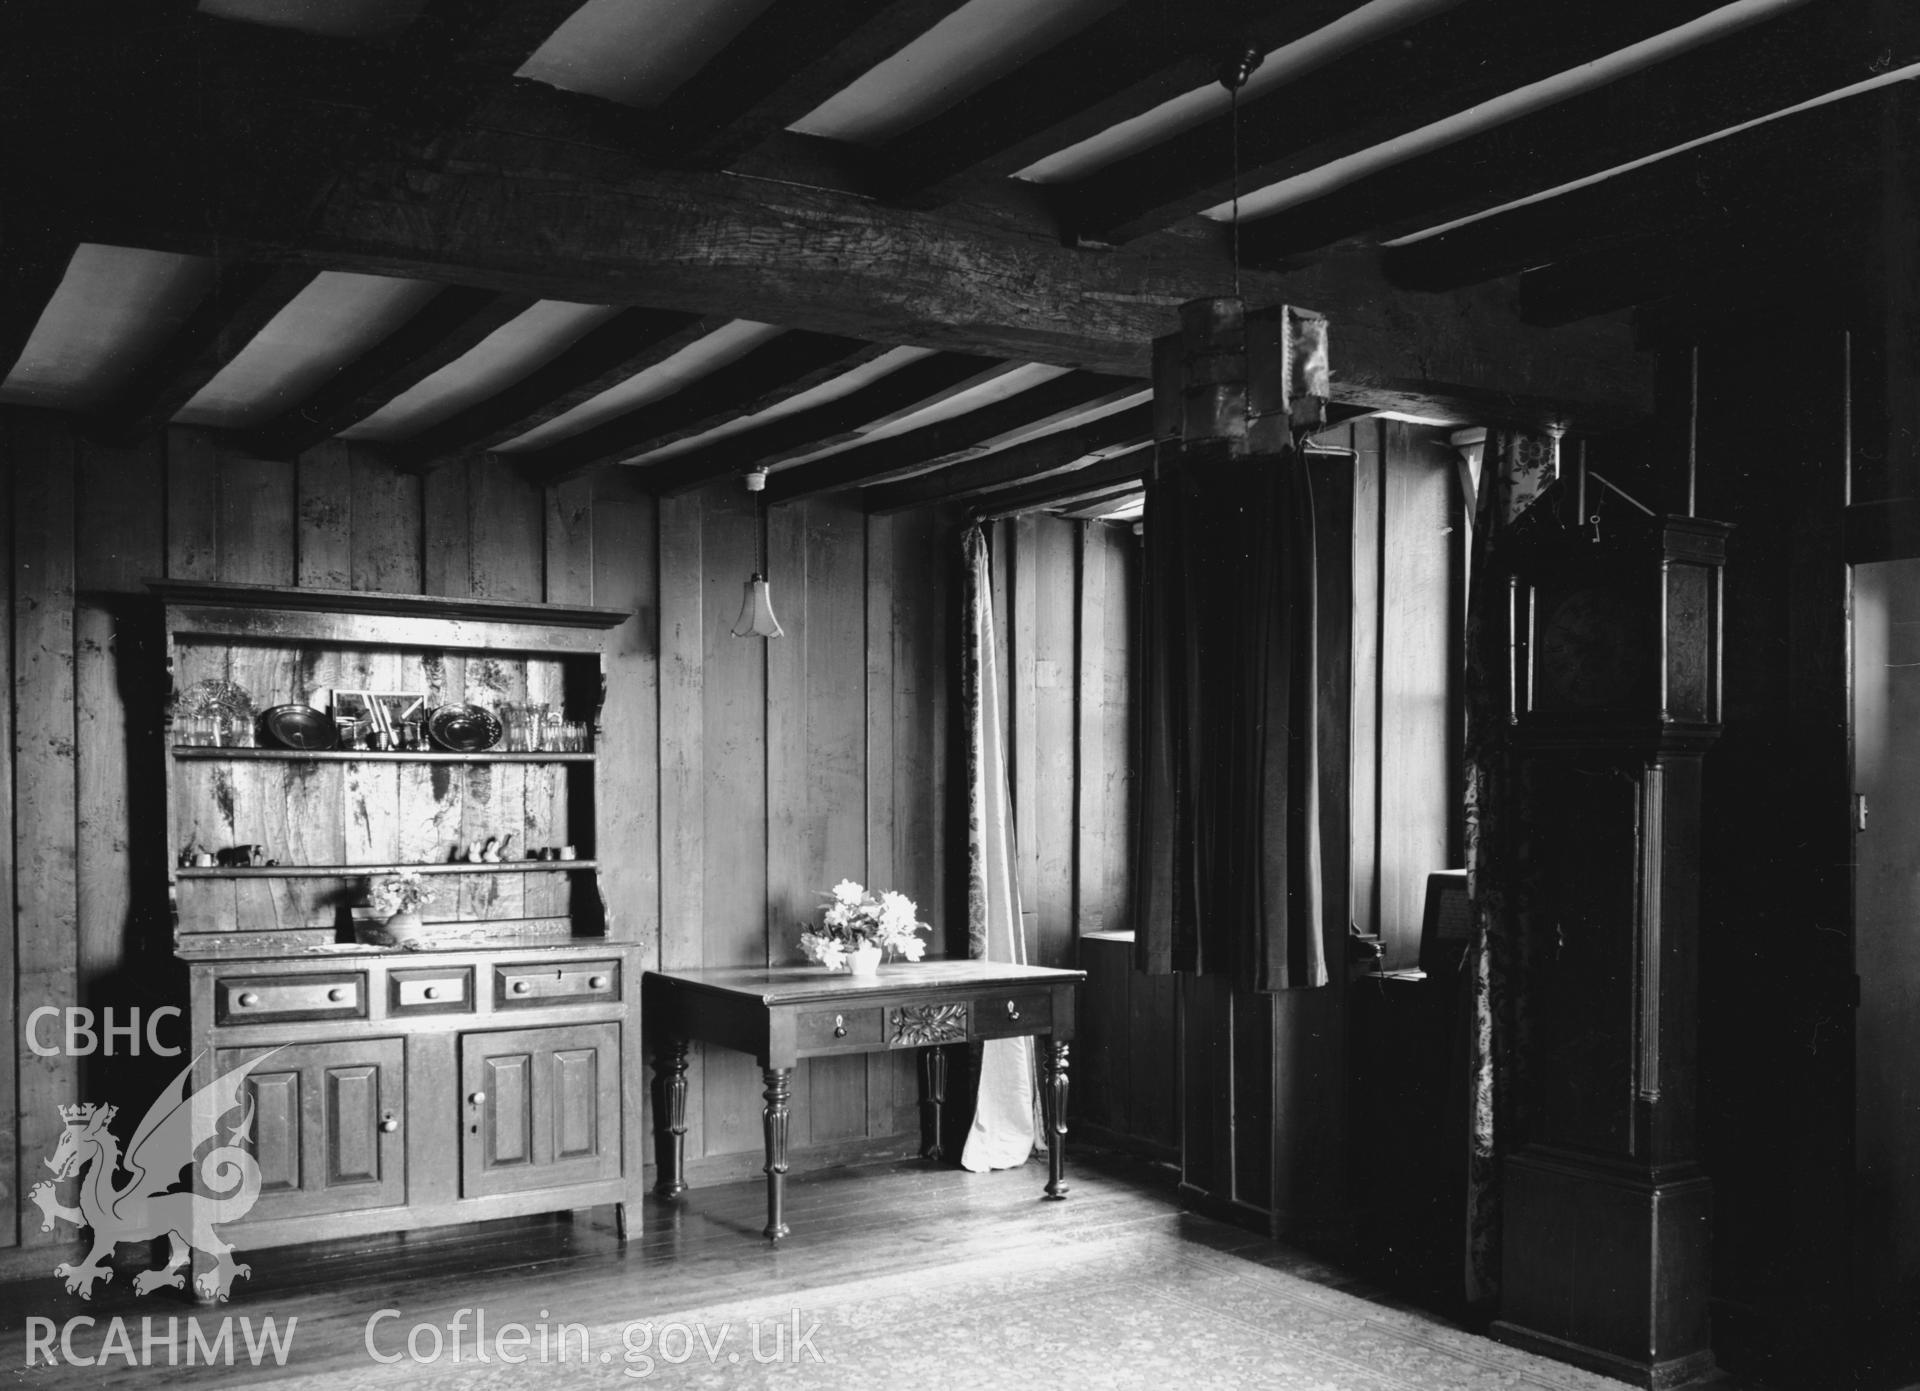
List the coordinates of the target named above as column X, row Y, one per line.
column 959, row 437
column 1063, row 451
column 31, row 270
column 766, row 376
column 1122, row 65
column 244, row 299
column 790, row 59
column 914, row 387
column 1104, row 477
column 1734, row 181
column 1790, row 59
column 1471, row 53
column 1710, row 268
column 450, row 325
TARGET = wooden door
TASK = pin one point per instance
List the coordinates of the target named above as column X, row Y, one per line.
column 327, row 1126
column 540, row 1108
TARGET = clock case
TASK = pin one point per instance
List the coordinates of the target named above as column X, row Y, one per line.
column 1615, row 628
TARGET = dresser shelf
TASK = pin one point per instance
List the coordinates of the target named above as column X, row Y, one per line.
column 210, row 752
column 366, row 871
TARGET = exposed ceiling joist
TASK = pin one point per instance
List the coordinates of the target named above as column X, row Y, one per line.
column 1102, row 508
column 1400, row 82
column 959, row 437
column 1793, row 58
column 1120, row 473
column 789, row 60
column 1712, row 185
column 769, row 374
column 1708, row 270
column 244, row 299
column 1062, row 451
column 30, row 272
column 447, row 328
column 623, row 347
column 1126, row 63
column 914, row 387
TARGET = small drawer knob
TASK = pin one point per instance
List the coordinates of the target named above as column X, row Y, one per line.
column 388, row 1125
column 1013, row 1010
column 432, row 992
column 597, row 982
column 521, row 987
column 839, row 1027
column 337, row 994
column 477, row 1099
column 248, row 999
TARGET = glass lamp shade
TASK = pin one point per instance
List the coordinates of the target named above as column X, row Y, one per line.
column 756, row 612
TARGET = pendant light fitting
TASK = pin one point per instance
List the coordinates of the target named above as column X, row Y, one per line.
column 756, row 605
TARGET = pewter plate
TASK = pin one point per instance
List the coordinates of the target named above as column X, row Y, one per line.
column 463, row 728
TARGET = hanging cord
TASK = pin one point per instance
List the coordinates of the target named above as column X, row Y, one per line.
column 1233, row 76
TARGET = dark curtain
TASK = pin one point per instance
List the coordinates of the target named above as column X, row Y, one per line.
column 1228, row 863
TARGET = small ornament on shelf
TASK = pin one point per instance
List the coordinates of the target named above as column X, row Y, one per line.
column 858, row 925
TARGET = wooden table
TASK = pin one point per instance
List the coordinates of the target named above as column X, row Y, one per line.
column 783, row 1014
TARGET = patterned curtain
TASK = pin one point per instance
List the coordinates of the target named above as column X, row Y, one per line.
column 1228, row 867
column 1516, row 470
column 1004, row 1129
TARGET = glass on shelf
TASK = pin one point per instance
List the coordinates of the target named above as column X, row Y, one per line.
column 526, row 725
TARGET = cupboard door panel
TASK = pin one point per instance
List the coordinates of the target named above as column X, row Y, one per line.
column 326, row 1126
column 541, row 1107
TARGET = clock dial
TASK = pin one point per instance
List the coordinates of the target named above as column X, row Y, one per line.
column 1593, row 652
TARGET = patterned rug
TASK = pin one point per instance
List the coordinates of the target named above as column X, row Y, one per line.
column 1139, row 1310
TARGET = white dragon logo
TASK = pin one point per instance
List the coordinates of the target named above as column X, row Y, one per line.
column 151, row 1203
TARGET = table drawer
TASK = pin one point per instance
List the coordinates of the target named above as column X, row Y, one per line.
column 430, row 990
column 260, row 999
column 1009, row 1013
column 839, row 1028
column 547, row 985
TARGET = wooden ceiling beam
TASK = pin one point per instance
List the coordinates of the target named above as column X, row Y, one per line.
column 1792, row 58
column 447, row 328
column 244, row 299
column 1101, row 508
column 31, row 269
column 1124, row 64
column 1435, row 68
column 789, row 60
column 1712, row 266
column 1734, row 183
column 766, row 376
column 914, row 387
column 602, row 358
column 958, row 437
column 1063, row 451
column 1117, row 473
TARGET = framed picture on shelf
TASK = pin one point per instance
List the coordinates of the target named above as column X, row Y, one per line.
column 379, row 719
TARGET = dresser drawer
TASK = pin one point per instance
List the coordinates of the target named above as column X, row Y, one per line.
column 839, row 1028
column 1009, row 1013
column 430, row 990
column 260, row 999
column 527, row 984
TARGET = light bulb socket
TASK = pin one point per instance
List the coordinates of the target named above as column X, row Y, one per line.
column 757, row 481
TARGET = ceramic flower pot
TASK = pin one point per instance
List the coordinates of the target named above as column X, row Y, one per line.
column 406, row 930
column 864, row 961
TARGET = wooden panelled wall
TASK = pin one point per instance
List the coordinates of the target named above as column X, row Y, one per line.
column 749, row 776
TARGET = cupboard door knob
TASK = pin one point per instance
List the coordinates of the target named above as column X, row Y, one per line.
column 337, row 994
column 839, row 1027
column 597, row 982
column 432, row 992
column 1013, row 1010
column 248, row 999
column 521, row 987
column 477, row 1099
column 388, row 1125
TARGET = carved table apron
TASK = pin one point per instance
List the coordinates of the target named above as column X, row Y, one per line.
column 783, row 1014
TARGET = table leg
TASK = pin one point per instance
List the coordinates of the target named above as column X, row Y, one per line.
column 1053, row 1109
column 779, row 1091
column 933, row 1095
column 670, row 1117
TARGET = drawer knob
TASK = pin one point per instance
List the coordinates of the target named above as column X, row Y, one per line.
column 248, row 999
column 477, row 1099
column 597, row 982
column 1013, row 1010
column 337, row 994
column 388, row 1125
column 521, row 987
column 839, row 1027
column 432, row 992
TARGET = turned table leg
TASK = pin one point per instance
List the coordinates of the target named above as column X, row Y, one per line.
column 778, row 1092
column 1053, row 1109
column 670, row 1117
column 933, row 1095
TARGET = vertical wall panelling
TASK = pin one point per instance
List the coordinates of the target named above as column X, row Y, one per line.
column 682, row 761
column 625, row 574
column 385, row 550
column 506, row 521
column 43, row 764
column 11, row 1016
column 255, row 537
column 446, row 543
column 1055, row 649
column 1364, row 780
column 881, row 805
column 192, row 511
column 1021, row 574
column 323, row 484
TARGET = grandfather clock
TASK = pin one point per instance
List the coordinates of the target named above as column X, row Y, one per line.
column 1616, row 695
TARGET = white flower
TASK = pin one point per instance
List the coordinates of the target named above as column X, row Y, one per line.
column 848, row 892
column 912, row 948
column 896, row 912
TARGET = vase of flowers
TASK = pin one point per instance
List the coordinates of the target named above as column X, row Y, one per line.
column 398, row 898
column 858, row 926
